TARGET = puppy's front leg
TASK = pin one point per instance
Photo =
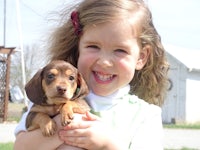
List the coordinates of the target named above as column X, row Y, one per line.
column 71, row 107
column 44, row 122
column 67, row 113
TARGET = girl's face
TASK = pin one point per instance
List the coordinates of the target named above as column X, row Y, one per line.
column 108, row 56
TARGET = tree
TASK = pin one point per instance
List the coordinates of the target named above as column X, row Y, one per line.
column 34, row 59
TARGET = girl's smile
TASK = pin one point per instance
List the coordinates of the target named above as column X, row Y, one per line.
column 108, row 56
column 103, row 78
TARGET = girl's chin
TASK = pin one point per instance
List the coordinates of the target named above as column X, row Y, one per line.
column 102, row 92
column 103, row 87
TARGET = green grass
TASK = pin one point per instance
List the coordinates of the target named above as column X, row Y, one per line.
column 10, row 146
column 182, row 126
column 6, row 146
column 184, row 148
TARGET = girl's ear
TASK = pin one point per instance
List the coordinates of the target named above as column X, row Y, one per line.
column 143, row 57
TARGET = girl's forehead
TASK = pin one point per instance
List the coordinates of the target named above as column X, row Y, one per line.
column 114, row 33
column 115, row 26
column 124, row 16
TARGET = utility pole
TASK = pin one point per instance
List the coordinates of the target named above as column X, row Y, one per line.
column 4, row 24
column 21, row 51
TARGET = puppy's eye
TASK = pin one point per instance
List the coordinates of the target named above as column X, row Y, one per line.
column 50, row 76
column 71, row 78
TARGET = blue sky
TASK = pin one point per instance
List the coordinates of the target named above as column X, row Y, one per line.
column 177, row 21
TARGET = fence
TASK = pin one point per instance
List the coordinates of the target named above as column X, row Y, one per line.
column 5, row 58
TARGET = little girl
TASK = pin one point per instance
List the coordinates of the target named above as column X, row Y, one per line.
column 115, row 46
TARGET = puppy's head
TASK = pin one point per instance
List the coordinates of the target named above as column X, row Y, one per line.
column 55, row 83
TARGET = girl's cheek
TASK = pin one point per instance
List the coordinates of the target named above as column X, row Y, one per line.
column 85, row 60
column 82, row 63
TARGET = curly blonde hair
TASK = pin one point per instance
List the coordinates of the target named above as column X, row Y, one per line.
column 150, row 83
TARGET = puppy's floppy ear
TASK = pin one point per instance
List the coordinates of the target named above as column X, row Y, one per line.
column 82, row 88
column 34, row 89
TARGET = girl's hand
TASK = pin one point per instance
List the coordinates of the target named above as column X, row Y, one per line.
column 89, row 133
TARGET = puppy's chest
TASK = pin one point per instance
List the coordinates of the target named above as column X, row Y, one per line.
column 50, row 110
column 54, row 110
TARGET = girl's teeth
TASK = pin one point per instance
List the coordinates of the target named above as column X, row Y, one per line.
column 103, row 77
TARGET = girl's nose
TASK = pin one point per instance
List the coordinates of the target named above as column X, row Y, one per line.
column 105, row 61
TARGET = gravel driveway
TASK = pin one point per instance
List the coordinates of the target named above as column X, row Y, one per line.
column 179, row 138
column 173, row 138
column 7, row 132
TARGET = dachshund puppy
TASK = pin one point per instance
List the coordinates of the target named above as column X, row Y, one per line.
column 57, row 88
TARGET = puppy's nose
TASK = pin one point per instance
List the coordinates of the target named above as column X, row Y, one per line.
column 61, row 90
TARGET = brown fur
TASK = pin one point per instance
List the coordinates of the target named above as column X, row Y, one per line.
column 57, row 88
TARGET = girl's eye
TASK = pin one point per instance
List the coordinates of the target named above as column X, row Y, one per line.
column 93, row 46
column 121, row 51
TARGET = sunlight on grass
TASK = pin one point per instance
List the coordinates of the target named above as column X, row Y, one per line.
column 182, row 126
column 184, row 148
column 6, row 146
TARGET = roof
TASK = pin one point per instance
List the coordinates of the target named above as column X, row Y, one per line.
column 6, row 50
column 189, row 57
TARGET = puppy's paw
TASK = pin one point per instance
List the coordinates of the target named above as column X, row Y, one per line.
column 49, row 128
column 66, row 118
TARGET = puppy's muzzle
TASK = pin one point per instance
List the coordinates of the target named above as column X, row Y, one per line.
column 61, row 90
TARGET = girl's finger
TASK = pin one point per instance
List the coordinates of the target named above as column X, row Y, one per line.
column 73, row 140
column 82, row 123
column 73, row 133
column 77, row 125
column 90, row 117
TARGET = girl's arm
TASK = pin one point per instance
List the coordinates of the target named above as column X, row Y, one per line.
column 33, row 140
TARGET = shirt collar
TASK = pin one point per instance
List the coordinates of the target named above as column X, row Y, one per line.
column 98, row 103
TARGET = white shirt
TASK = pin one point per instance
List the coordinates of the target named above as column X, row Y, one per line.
column 137, row 124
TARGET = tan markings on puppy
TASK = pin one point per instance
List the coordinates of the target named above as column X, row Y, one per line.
column 68, row 72
column 54, row 71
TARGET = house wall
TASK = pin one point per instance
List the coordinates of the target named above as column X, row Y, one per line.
column 193, row 97
column 182, row 92
column 182, row 103
column 169, row 107
column 173, row 109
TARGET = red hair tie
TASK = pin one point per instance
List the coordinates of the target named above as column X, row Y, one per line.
column 76, row 23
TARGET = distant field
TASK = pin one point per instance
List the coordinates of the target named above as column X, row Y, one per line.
column 15, row 111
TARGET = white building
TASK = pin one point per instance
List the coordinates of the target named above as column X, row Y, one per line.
column 183, row 99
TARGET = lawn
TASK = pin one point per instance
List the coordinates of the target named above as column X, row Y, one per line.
column 182, row 126
column 6, row 146
column 15, row 111
column 9, row 146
